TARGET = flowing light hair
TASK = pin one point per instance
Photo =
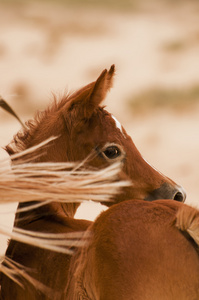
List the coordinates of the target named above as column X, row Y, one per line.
column 51, row 182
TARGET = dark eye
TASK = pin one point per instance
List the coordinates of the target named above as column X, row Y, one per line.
column 112, row 152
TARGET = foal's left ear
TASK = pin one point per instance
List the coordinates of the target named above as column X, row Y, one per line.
column 89, row 97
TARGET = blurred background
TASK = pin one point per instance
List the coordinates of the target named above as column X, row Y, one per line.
column 58, row 46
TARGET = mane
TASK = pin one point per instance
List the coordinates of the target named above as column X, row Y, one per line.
column 187, row 220
column 62, row 183
column 22, row 139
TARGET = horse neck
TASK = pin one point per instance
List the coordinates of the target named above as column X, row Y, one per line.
column 22, row 218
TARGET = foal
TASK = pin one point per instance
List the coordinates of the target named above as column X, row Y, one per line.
column 139, row 250
column 81, row 126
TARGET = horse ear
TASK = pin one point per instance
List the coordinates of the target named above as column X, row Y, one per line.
column 101, row 87
column 89, row 98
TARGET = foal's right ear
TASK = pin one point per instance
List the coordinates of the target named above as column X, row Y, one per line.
column 86, row 100
column 100, row 88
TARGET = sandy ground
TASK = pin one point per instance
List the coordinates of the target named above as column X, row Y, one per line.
column 50, row 48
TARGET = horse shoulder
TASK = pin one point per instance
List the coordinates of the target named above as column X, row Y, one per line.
column 136, row 244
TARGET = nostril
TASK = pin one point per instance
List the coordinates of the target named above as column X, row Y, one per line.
column 180, row 197
column 168, row 191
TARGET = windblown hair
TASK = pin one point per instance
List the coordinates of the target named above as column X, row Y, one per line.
column 51, row 182
column 61, row 182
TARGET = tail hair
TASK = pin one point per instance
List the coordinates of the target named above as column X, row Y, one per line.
column 65, row 182
column 69, row 182
column 19, row 273
column 187, row 220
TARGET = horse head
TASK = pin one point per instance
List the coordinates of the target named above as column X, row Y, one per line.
column 82, row 126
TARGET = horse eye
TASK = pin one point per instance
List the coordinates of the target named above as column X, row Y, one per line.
column 112, row 152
